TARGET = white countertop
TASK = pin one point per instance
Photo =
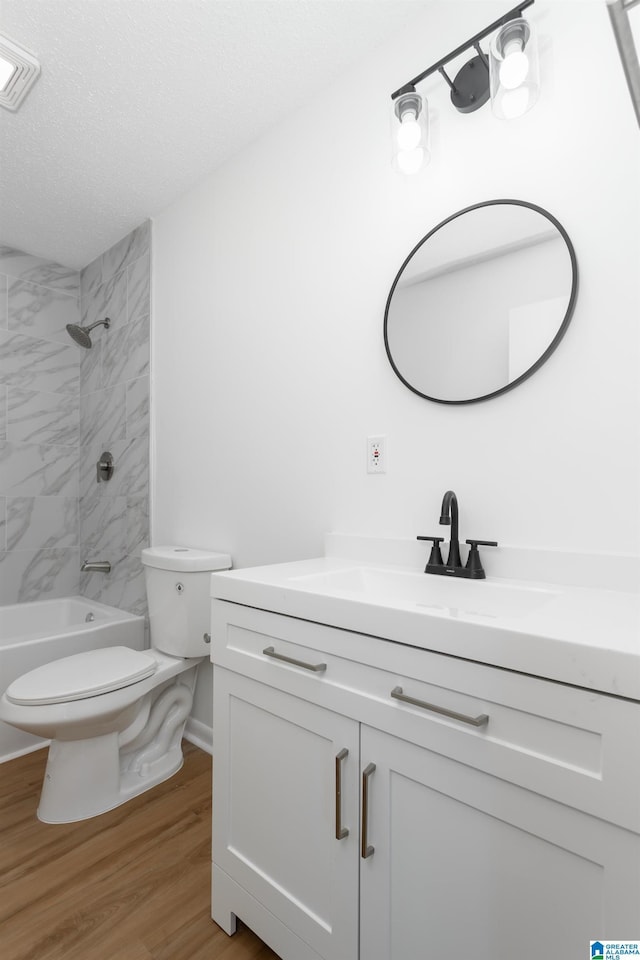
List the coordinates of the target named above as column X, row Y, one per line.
column 584, row 636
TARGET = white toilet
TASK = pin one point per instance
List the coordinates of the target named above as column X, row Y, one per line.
column 115, row 716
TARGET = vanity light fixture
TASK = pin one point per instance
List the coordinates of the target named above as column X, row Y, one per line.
column 509, row 75
column 19, row 70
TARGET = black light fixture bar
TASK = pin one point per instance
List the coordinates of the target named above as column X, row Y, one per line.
column 473, row 42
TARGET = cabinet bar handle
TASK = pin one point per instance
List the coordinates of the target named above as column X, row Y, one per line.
column 478, row 721
column 341, row 832
column 316, row 667
column 366, row 849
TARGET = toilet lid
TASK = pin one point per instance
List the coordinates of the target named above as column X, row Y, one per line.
column 82, row 675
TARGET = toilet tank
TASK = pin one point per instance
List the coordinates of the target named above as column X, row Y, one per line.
column 177, row 582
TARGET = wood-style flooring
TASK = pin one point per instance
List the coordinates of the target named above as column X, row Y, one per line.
column 132, row 884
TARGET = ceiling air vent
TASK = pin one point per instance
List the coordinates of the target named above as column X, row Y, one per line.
column 19, row 70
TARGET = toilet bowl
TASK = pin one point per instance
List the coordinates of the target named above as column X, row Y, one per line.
column 115, row 716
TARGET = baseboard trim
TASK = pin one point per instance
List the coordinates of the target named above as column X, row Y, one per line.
column 199, row 734
column 23, row 751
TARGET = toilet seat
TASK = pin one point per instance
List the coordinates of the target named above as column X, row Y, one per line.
column 81, row 676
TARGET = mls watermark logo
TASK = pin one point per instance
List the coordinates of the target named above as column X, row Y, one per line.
column 614, row 949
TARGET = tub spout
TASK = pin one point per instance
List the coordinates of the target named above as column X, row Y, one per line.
column 98, row 566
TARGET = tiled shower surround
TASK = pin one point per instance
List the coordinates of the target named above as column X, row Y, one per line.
column 61, row 406
column 39, row 429
column 114, row 417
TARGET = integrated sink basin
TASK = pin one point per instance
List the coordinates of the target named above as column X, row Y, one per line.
column 435, row 595
column 534, row 617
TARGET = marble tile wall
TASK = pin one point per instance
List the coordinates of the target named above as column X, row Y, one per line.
column 39, row 429
column 114, row 416
column 60, row 407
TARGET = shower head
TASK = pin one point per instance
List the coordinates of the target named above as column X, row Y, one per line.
column 81, row 334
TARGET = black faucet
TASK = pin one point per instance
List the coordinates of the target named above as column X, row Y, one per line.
column 453, row 567
column 449, row 515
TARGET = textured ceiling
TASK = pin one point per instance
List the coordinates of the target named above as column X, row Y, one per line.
column 139, row 99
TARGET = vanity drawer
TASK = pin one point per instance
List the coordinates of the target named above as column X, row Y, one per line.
column 573, row 745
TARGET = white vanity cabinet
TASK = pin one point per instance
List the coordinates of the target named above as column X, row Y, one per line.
column 349, row 823
column 274, row 821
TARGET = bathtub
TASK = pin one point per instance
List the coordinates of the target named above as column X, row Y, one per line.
column 32, row 634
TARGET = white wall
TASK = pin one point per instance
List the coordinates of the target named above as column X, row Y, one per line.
column 270, row 281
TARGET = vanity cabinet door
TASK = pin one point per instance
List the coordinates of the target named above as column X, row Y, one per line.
column 468, row 865
column 276, row 765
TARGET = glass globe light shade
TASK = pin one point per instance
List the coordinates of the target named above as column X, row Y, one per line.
column 410, row 132
column 513, row 69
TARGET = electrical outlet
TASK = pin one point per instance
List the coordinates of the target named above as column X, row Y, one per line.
column 376, row 457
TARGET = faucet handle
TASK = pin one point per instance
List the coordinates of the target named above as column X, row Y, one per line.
column 435, row 556
column 474, row 564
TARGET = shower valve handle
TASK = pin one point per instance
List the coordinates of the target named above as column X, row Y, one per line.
column 104, row 467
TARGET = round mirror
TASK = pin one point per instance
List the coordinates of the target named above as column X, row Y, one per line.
column 481, row 302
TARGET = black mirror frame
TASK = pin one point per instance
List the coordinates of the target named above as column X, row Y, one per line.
column 554, row 343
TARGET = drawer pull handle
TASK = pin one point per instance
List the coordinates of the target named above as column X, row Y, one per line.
column 341, row 832
column 478, row 721
column 366, row 849
column 315, row 667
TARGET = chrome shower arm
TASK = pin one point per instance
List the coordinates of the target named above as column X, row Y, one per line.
column 106, row 323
